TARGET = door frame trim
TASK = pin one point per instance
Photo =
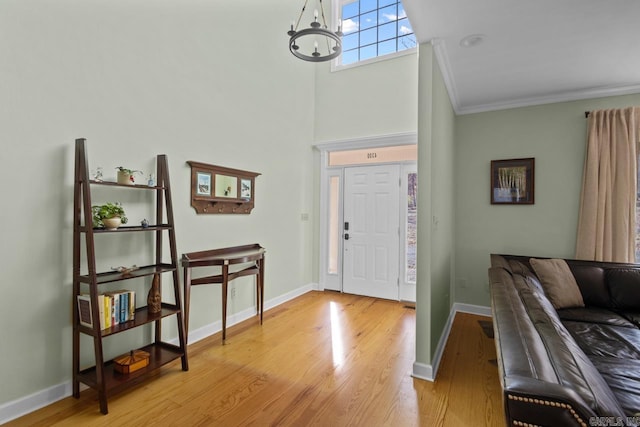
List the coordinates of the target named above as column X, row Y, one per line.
column 407, row 138
column 326, row 171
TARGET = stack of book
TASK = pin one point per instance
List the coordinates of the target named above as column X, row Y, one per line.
column 114, row 307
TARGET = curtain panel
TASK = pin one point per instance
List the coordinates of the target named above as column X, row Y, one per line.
column 607, row 218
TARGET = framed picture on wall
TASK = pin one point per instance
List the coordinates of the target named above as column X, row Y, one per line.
column 203, row 184
column 245, row 189
column 512, row 181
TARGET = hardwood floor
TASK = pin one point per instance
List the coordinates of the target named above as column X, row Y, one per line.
column 323, row 359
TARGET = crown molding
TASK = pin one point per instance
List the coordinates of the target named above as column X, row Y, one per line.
column 589, row 93
column 460, row 109
column 447, row 75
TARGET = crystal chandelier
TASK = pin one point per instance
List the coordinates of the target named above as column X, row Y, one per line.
column 316, row 43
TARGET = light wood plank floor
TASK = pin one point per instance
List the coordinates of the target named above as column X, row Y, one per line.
column 323, row 359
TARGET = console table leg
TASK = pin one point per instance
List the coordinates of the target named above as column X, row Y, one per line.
column 187, row 303
column 258, row 291
column 261, row 280
column 225, row 282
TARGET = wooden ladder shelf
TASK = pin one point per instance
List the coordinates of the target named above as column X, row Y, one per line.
column 86, row 280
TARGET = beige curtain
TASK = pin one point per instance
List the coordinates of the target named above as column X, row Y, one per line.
column 607, row 221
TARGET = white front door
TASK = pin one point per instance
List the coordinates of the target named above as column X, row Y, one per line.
column 371, row 234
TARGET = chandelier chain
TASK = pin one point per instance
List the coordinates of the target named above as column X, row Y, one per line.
column 324, row 21
column 304, row 7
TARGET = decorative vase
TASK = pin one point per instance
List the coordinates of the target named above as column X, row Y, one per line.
column 154, row 298
column 112, row 223
column 124, row 178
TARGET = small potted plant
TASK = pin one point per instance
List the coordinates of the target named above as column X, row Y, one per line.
column 109, row 215
column 126, row 176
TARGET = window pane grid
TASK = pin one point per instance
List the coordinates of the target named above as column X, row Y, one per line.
column 376, row 27
column 386, row 40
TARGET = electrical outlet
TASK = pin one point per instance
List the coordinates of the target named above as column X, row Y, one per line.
column 232, row 291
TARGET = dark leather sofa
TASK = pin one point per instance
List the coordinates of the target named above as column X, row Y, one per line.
column 571, row 366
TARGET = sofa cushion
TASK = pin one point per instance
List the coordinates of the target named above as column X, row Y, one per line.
column 595, row 315
column 592, row 284
column 500, row 261
column 558, row 282
column 615, row 352
column 605, row 340
column 534, row 282
column 624, row 287
column 623, row 378
column 518, row 267
column 631, row 316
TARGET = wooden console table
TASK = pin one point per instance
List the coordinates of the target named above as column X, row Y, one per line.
column 253, row 255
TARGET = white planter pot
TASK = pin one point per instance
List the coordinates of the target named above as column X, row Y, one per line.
column 112, row 223
column 124, row 178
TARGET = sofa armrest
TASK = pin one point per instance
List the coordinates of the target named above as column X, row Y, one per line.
column 529, row 401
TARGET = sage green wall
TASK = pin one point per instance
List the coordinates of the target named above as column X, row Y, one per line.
column 426, row 63
column 369, row 100
column 555, row 134
column 137, row 78
column 442, row 183
column 436, row 120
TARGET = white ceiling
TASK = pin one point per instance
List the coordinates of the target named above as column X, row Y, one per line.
column 534, row 52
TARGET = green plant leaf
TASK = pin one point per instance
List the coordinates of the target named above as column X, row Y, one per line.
column 107, row 210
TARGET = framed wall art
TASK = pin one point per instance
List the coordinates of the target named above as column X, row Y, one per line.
column 245, row 189
column 221, row 190
column 203, row 183
column 512, row 181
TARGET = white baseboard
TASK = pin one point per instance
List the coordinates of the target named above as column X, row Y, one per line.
column 422, row 371
column 480, row 310
column 429, row 372
column 19, row 407
column 24, row 405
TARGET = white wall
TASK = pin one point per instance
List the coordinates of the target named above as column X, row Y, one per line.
column 196, row 80
column 370, row 100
